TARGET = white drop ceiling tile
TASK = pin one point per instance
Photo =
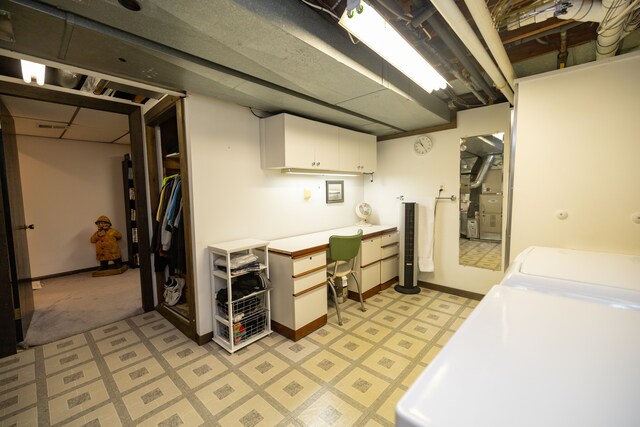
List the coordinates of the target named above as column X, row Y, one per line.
column 102, row 120
column 30, row 127
column 86, row 133
column 126, row 140
column 29, row 108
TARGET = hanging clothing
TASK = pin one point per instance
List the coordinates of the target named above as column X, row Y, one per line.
column 168, row 236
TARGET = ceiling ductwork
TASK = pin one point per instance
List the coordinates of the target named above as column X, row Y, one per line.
column 291, row 55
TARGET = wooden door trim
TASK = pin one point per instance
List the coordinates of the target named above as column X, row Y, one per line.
column 137, row 156
column 8, row 338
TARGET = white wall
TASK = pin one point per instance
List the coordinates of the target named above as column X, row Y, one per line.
column 401, row 172
column 66, row 186
column 233, row 198
column 577, row 149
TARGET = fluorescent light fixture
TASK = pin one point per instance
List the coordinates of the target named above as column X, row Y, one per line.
column 372, row 29
column 31, row 71
column 318, row 172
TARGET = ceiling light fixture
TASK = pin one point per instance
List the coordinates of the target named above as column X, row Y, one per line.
column 317, row 172
column 373, row 30
column 31, row 71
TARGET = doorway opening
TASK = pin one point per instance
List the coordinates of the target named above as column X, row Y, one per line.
column 71, row 181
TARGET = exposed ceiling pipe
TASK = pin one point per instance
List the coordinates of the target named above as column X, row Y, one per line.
column 458, row 52
column 612, row 28
column 578, row 10
column 470, row 83
column 482, row 18
column 566, row 27
column 451, row 13
column 486, row 165
column 562, row 53
column 632, row 24
column 451, row 69
column 612, row 15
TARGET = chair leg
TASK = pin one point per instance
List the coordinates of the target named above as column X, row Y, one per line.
column 362, row 308
column 335, row 300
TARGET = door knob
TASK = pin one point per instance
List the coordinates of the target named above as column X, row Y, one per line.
column 26, row 227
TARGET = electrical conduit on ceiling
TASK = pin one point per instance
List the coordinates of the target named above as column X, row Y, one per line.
column 451, row 13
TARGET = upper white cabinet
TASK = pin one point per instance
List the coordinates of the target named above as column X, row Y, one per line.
column 357, row 151
column 288, row 141
column 293, row 142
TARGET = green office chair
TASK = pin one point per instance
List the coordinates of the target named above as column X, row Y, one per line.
column 342, row 252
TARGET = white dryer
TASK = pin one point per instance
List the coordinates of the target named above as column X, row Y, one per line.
column 538, row 352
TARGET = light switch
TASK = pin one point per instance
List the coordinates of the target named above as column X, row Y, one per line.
column 307, row 194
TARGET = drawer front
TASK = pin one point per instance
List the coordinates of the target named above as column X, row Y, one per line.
column 389, row 268
column 387, row 239
column 369, row 251
column 387, row 251
column 301, row 265
column 309, row 307
column 309, row 280
column 370, row 276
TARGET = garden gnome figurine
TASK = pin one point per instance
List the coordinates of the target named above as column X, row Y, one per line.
column 107, row 249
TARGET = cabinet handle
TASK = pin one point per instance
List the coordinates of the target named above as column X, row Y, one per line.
column 318, row 164
column 313, row 164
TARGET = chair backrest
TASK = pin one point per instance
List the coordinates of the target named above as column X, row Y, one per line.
column 344, row 248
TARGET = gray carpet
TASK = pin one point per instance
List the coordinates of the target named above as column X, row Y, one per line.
column 69, row 305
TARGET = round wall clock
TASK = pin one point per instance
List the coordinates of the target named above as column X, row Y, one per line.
column 423, row 145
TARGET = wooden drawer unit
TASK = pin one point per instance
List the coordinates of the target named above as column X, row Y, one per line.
column 307, row 281
column 390, row 250
column 370, row 277
column 389, row 238
column 389, row 269
column 370, row 251
column 299, row 294
column 308, row 263
column 310, row 306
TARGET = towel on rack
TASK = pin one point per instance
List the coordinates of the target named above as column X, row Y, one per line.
column 426, row 229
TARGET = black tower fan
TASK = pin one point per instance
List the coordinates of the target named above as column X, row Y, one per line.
column 408, row 249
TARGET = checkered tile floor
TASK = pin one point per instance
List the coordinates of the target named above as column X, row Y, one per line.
column 142, row 371
column 476, row 253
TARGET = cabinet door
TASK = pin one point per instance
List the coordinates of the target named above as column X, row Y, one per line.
column 349, row 151
column 326, row 146
column 300, row 138
column 368, row 153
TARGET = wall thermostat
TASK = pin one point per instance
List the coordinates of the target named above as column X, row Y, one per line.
column 423, row 145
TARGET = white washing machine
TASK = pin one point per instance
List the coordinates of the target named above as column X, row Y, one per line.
column 548, row 347
column 605, row 277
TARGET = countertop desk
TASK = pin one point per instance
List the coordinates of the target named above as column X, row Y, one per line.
column 298, row 272
column 299, row 246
